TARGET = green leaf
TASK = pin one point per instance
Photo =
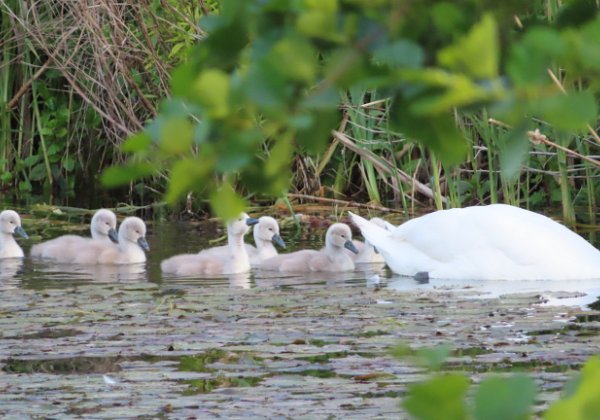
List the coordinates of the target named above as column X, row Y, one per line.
column 182, row 78
column 434, row 358
column 211, row 90
column 226, row 203
column 321, row 98
column 295, row 58
column 30, row 160
column 570, row 112
column 68, row 163
column 584, row 404
column 186, row 175
column 439, row 133
column 401, row 53
column 529, row 59
column 318, row 19
column 439, row 397
column 476, row 54
column 121, row 175
column 512, row 148
column 264, row 86
column 38, row 172
column 315, row 136
column 447, row 91
column 505, row 398
column 176, row 135
column 136, row 143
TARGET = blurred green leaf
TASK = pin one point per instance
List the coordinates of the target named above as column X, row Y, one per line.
column 121, row 175
column 318, row 19
column 477, row 54
column 509, row 398
column 433, row 358
column 226, row 203
column 512, row 148
column 211, row 89
column 186, row 175
column 38, row 172
column 136, row 142
column 569, row 112
column 530, row 58
column 296, row 58
column 313, row 138
column 439, row 397
column 266, row 87
column 439, row 133
column 176, row 135
column 68, row 163
column 321, row 98
column 584, row 404
column 401, row 53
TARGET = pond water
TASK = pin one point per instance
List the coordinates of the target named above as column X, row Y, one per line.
column 114, row 342
column 171, row 238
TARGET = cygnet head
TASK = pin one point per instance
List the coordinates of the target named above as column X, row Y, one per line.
column 241, row 224
column 267, row 229
column 104, row 223
column 10, row 223
column 379, row 222
column 340, row 235
column 133, row 229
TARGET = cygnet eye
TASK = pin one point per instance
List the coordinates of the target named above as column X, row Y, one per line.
column 137, row 231
column 11, row 222
column 271, row 229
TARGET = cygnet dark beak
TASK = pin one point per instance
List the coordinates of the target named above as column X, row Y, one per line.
column 113, row 235
column 278, row 240
column 251, row 221
column 376, row 250
column 143, row 244
column 349, row 245
column 20, row 231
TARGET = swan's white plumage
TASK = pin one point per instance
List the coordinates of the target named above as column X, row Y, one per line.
column 10, row 223
column 332, row 258
column 66, row 248
column 366, row 252
column 211, row 262
column 265, row 233
column 495, row 242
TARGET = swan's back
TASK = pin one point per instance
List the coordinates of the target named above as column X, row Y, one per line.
column 524, row 236
column 486, row 242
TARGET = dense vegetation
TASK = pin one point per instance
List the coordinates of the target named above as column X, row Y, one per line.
column 430, row 103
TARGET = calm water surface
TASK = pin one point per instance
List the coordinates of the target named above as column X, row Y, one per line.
column 170, row 238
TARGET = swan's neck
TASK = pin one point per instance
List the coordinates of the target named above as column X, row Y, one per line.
column 265, row 248
column 236, row 245
column 333, row 252
column 368, row 250
column 9, row 246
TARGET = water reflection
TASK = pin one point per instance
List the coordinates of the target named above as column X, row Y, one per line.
column 9, row 269
column 552, row 292
column 235, row 281
column 46, row 274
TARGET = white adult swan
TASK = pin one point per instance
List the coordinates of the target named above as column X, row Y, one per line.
column 495, row 242
column 232, row 262
column 65, row 248
column 10, row 223
column 331, row 258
